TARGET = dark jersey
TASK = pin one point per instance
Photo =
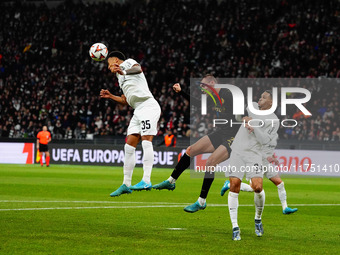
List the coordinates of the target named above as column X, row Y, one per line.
column 222, row 109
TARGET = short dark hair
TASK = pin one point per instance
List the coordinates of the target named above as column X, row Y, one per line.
column 270, row 93
column 117, row 54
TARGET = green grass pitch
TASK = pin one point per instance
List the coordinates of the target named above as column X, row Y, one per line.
column 70, row 212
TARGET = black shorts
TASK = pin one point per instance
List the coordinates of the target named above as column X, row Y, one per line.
column 43, row 147
column 222, row 137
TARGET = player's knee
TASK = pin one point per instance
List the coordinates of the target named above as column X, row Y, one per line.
column 147, row 138
column 187, row 151
column 133, row 140
column 129, row 149
column 211, row 161
column 235, row 189
column 257, row 188
column 276, row 181
column 235, row 186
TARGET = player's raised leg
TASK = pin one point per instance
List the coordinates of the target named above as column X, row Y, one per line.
column 244, row 187
column 226, row 187
column 282, row 195
column 129, row 164
column 218, row 156
column 203, row 145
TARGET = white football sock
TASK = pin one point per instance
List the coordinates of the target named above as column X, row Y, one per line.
column 233, row 207
column 259, row 199
column 246, row 187
column 148, row 160
column 282, row 195
column 201, row 201
column 129, row 163
column 172, row 180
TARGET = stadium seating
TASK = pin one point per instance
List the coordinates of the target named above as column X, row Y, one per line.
column 47, row 77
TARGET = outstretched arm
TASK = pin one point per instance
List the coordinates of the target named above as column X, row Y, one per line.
column 128, row 67
column 135, row 69
column 177, row 88
column 104, row 93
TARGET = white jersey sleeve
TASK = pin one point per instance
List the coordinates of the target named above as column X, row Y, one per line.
column 269, row 148
column 266, row 135
column 128, row 64
column 134, row 86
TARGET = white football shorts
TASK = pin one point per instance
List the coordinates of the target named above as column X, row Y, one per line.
column 145, row 118
column 249, row 165
column 269, row 170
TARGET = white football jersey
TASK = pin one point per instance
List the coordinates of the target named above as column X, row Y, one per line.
column 245, row 143
column 268, row 149
column 134, row 86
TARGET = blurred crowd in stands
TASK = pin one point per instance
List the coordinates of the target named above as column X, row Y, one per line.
column 48, row 78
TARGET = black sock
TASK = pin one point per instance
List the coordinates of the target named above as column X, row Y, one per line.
column 208, row 180
column 183, row 164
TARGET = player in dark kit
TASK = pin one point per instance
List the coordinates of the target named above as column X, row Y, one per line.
column 218, row 143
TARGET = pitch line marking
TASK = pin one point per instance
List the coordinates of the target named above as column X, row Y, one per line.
column 91, row 202
column 145, row 202
column 278, row 205
column 92, row 207
column 144, row 206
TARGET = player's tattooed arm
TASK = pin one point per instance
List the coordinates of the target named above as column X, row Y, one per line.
column 135, row 69
column 104, row 93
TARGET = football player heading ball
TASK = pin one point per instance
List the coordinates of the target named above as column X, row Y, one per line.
column 143, row 125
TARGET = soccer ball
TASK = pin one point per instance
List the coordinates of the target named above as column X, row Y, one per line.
column 98, row 52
